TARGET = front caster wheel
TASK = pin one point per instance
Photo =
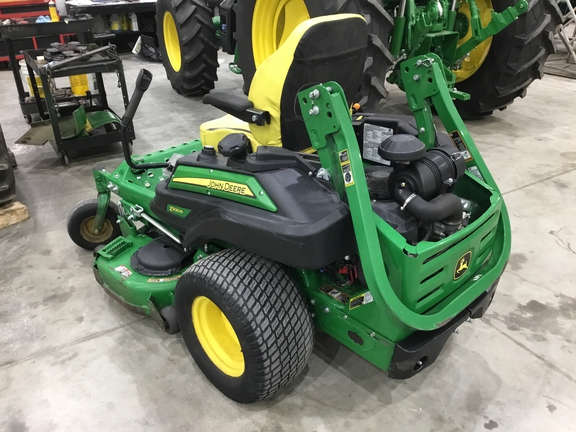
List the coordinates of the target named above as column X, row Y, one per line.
column 245, row 323
column 81, row 225
column 170, row 320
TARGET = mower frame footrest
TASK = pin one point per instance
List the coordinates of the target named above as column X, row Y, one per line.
column 420, row 349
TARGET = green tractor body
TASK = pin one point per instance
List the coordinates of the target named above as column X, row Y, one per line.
column 410, row 298
column 385, row 232
column 410, row 295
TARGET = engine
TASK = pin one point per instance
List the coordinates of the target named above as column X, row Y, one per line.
column 415, row 195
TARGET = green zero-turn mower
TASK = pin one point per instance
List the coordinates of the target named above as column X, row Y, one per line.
column 494, row 73
column 292, row 212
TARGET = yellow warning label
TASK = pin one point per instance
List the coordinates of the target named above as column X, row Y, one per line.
column 461, row 145
column 225, row 186
column 360, row 300
column 346, row 169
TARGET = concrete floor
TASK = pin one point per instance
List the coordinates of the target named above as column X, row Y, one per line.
column 73, row 359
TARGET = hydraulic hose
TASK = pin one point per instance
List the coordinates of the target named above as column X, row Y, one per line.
column 444, row 207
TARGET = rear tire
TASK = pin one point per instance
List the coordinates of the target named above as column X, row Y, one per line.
column 516, row 58
column 372, row 93
column 188, row 45
column 245, row 323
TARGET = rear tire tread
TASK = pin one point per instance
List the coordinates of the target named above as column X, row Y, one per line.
column 276, row 331
column 515, row 60
column 198, row 46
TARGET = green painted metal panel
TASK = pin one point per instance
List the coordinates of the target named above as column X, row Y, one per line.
column 241, row 188
column 395, row 270
column 136, row 290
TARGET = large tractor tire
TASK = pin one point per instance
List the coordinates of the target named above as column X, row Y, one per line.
column 188, row 45
column 263, row 25
column 501, row 69
column 245, row 323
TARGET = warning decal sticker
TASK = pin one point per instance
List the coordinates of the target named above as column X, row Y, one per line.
column 346, row 170
column 360, row 300
column 460, row 145
column 476, row 172
column 335, row 294
column 123, row 270
column 375, row 135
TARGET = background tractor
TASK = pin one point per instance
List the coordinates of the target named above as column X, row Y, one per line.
column 494, row 73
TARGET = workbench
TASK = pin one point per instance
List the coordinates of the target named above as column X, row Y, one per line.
column 79, row 7
column 144, row 9
column 25, row 9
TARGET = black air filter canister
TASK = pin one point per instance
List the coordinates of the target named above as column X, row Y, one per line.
column 432, row 174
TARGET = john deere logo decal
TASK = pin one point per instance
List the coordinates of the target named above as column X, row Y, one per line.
column 462, row 265
column 220, row 185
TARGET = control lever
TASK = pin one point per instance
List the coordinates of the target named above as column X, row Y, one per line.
column 142, row 83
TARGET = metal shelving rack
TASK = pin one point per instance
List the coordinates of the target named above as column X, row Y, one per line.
column 105, row 61
column 81, row 26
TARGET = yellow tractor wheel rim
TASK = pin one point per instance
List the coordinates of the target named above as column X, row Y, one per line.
column 272, row 23
column 87, row 230
column 474, row 60
column 172, row 42
column 217, row 337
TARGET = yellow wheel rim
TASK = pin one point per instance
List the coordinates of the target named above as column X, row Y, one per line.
column 172, row 42
column 217, row 337
column 272, row 23
column 474, row 60
column 87, row 230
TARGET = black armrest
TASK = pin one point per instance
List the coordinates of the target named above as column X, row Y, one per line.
column 272, row 158
column 227, row 102
column 238, row 106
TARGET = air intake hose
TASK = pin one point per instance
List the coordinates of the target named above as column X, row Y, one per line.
column 446, row 207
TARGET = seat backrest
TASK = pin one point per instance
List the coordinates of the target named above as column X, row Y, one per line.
column 330, row 48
